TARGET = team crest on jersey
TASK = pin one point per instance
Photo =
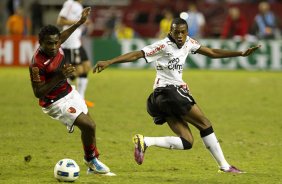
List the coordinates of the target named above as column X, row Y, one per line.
column 71, row 110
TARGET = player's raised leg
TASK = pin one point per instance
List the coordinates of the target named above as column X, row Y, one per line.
column 183, row 142
column 197, row 118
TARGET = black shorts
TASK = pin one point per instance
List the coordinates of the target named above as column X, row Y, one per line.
column 75, row 56
column 169, row 101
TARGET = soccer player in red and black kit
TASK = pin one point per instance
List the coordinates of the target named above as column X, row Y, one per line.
column 49, row 72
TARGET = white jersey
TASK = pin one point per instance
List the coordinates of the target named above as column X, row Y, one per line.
column 72, row 11
column 169, row 60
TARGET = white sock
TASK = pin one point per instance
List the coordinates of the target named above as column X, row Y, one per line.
column 82, row 85
column 213, row 146
column 164, row 142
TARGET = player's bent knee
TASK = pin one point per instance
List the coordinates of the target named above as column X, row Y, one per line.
column 206, row 131
column 186, row 144
column 84, row 75
column 91, row 125
column 86, row 124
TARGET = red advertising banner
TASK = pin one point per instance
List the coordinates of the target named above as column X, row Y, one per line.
column 17, row 50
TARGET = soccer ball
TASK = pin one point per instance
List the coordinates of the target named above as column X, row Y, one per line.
column 66, row 170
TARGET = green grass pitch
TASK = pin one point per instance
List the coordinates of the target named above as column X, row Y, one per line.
column 245, row 108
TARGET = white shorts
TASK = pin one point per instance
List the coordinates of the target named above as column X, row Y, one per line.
column 67, row 109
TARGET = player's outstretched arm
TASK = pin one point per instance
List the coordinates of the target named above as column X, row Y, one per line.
column 129, row 57
column 66, row 33
column 62, row 21
column 220, row 53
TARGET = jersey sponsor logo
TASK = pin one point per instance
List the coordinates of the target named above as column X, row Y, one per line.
column 174, row 65
column 155, row 50
column 194, row 41
column 72, row 110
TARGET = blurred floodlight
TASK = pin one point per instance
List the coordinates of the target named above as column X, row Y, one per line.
column 184, row 15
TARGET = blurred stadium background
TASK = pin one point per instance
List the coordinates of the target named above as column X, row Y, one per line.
column 143, row 17
column 245, row 106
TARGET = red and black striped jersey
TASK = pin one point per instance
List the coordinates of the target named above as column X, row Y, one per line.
column 48, row 68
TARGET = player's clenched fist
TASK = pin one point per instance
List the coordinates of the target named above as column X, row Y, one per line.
column 84, row 14
column 68, row 70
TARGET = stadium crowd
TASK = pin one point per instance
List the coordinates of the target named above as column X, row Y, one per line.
column 224, row 19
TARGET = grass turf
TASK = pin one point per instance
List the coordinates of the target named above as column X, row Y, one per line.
column 245, row 108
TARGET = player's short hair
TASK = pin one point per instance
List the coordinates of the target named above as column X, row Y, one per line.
column 48, row 30
column 178, row 21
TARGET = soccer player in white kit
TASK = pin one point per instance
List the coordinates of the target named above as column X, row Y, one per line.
column 74, row 52
column 171, row 101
